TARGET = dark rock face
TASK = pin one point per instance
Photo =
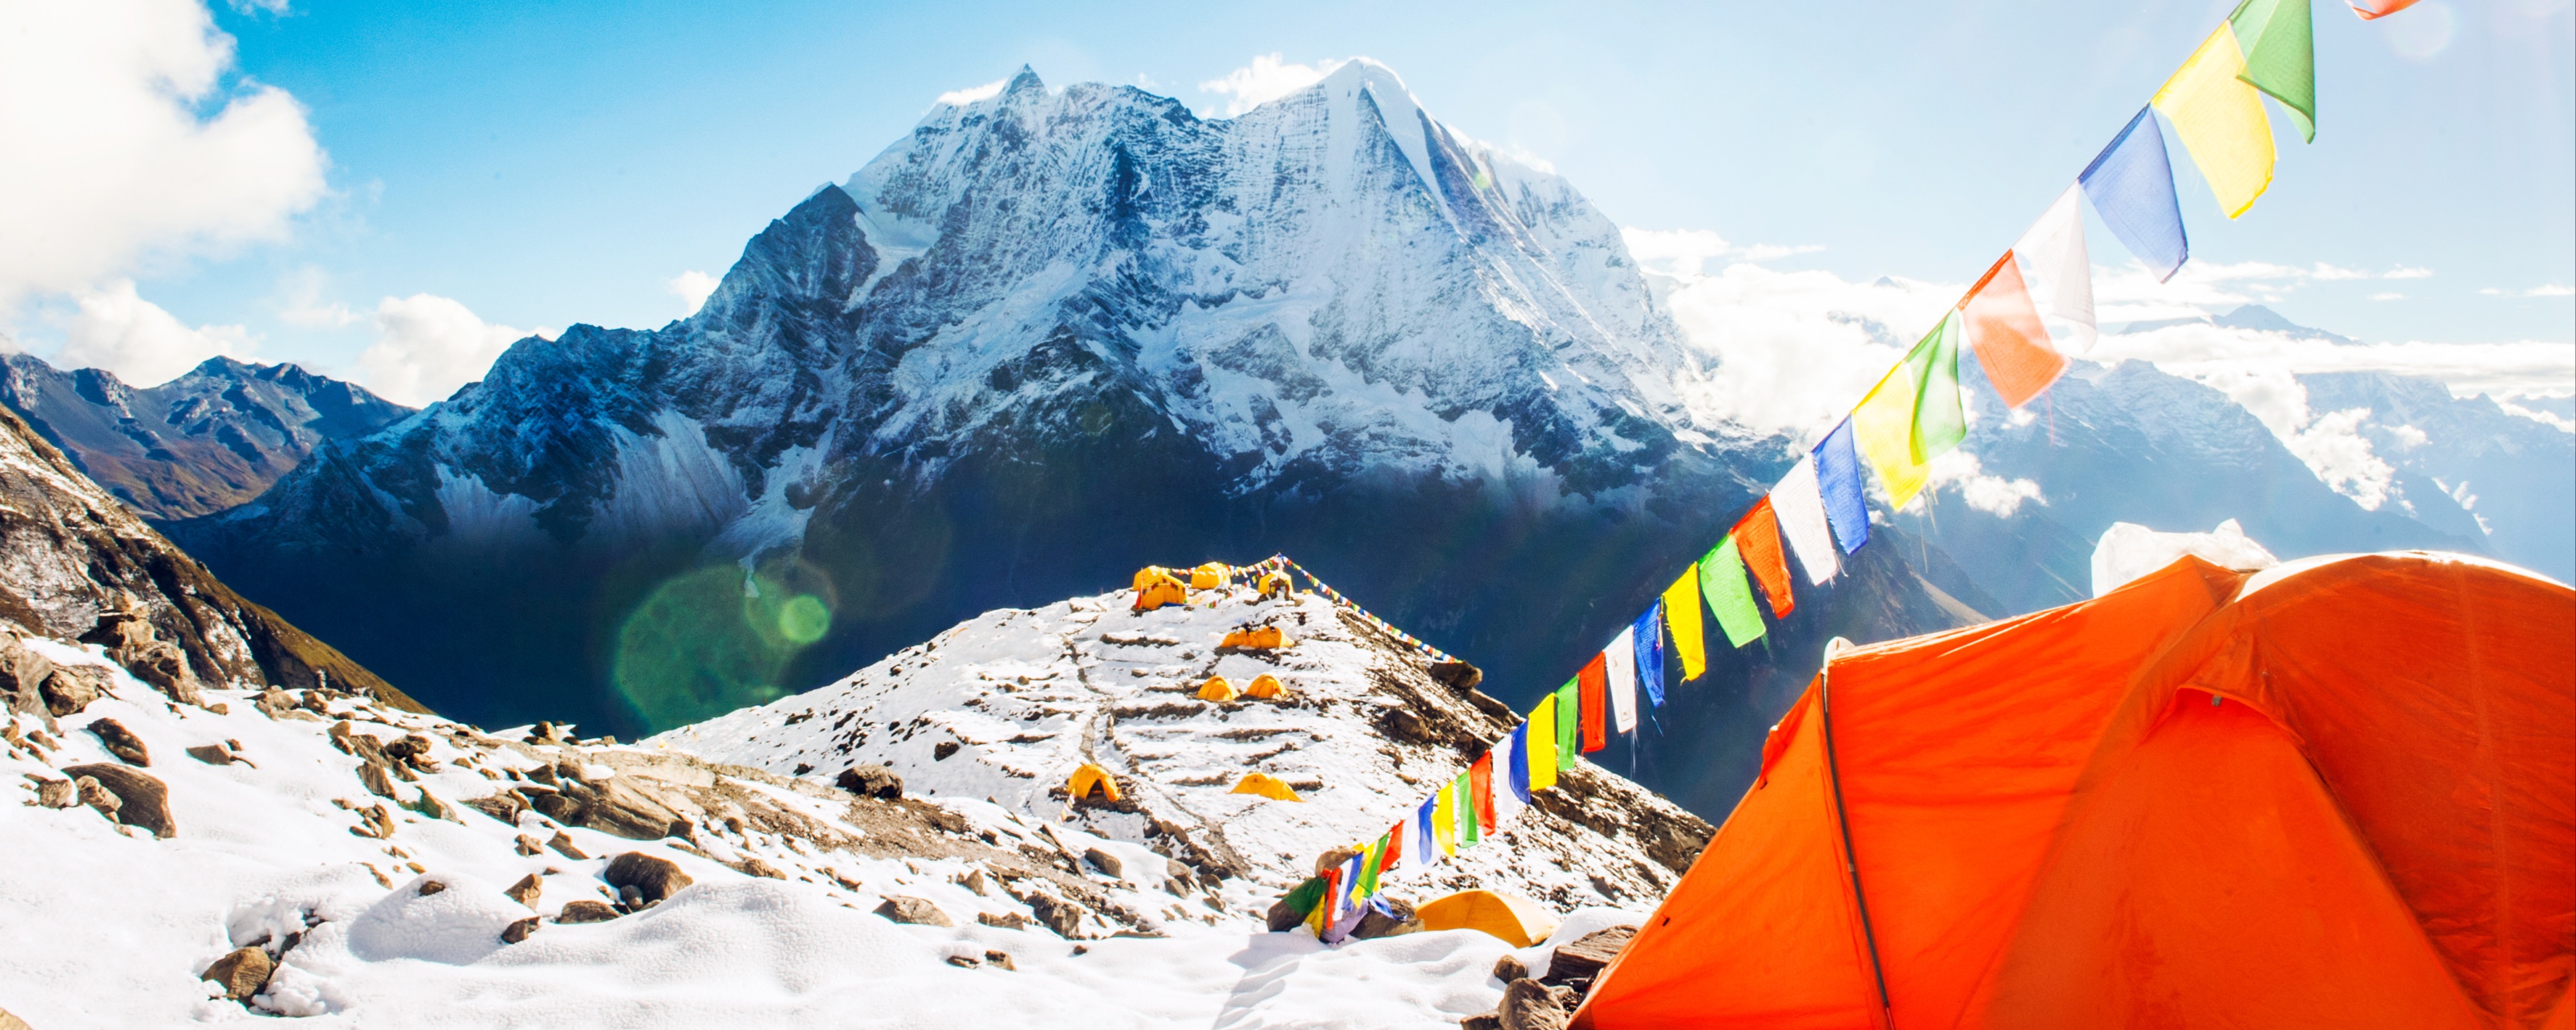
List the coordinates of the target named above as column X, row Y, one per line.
column 655, row 878
column 142, row 800
column 199, row 444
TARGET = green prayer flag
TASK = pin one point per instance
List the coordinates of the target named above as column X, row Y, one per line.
column 1306, row 896
column 1368, row 866
column 1729, row 597
column 1933, row 365
column 1469, row 831
column 1569, row 723
column 2280, row 56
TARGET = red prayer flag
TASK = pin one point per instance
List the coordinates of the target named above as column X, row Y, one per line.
column 2011, row 343
column 1480, row 787
column 1394, row 853
column 1757, row 541
column 2369, row 9
column 1596, row 703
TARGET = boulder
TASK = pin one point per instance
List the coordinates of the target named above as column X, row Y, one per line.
column 142, row 800
column 527, row 845
column 1003, row 920
column 1334, row 859
column 71, row 688
column 153, row 660
column 1388, row 916
column 999, row 960
column 1482, row 1021
column 1282, row 916
column 654, row 878
column 1456, row 675
column 913, row 910
column 520, row 929
column 756, row 867
column 58, row 793
column 22, row 674
column 241, row 973
column 120, row 742
column 1509, row 968
column 1588, row 955
column 1063, row 917
column 1105, row 862
column 563, row 845
column 871, row 781
column 11, row 1022
column 90, row 793
column 585, row 911
column 211, row 754
column 1530, row 1005
column 527, row 890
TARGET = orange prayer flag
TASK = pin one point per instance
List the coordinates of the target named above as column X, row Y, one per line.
column 2011, row 343
column 1757, row 539
column 1595, row 679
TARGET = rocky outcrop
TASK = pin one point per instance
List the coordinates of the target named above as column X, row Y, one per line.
column 142, row 801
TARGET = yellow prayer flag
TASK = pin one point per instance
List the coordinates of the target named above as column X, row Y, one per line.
column 1681, row 611
column 1541, row 742
column 1444, row 819
column 1883, row 426
column 2220, row 119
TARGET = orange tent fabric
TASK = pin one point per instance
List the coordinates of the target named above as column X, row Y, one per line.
column 2341, row 792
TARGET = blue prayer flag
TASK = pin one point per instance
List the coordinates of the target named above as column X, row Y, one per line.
column 2131, row 185
column 1520, row 772
column 1650, row 652
column 1838, row 479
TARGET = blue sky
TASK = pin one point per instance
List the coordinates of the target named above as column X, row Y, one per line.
column 543, row 164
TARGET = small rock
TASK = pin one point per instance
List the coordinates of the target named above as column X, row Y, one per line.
column 655, row 878
column 585, row 911
column 67, row 690
column 528, row 845
column 11, row 1022
column 1482, row 1021
column 57, row 793
column 1334, row 859
column 563, row 845
column 211, row 754
column 974, row 881
column 1530, row 1005
column 999, row 960
column 964, row 961
column 1105, row 862
column 141, row 800
column 1458, row 676
column 871, row 781
column 756, row 867
column 1585, row 958
column 91, row 793
column 939, row 752
column 1509, row 968
column 429, row 887
column 1063, row 917
column 520, row 929
column 1003, row 920
column 527, row 890
column 241, row 973
column 913, row 910
column 120, row 742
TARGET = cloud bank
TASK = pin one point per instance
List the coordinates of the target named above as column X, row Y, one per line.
column 427, row 346
column 1267, row 78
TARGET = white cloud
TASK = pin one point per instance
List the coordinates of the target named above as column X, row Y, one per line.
column 971, row 94
column 428, row 345
column 1795, row 349
column 1685, row 252
column 299, row 301
column 2533, row 367
column 2403, row 272
column 2329, row 273
column 692, row 287
column 1267, row 78
column 116, row 329
column 1983, row 491
column 2388, row 296
column 2543, row 290
column 128, row 142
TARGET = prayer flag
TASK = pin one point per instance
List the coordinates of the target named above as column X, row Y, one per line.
column 1425, row 846
column 1444, row 817
column 1569, row 725
column 1519, row 764
column 1940, row 421
column 2280, row 56
column 1307, row 896
column 1681, row 610
column 1838, row 484
column 1721, row 581
column 1392, row 858
column 2053, row 253
column 1509, row 797
column 1650, row 653
column 2220, row 119
column 1595, row 679
column 1369, row 865
column 2131, row 185
column 1757, row 542
column 2369, row 9
column 1620, row 658
column 1480, row 793
column 1321, row 917
column 1799, row 503
column 1462, row 807
column 1883, row 425
column 2011, row 345
column 1541, row 744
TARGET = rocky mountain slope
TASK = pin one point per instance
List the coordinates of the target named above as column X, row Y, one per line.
column 199, row 444
column 1048, row 337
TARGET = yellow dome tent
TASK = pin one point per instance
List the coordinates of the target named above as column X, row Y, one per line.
column 1261, row 639
column 1267, row 786
column 1518, row 921
column 1217, row 689
column 1089, row 778
column 1156, row 587
column 1274, row 584
column 1210, row 576
column 1266, row 687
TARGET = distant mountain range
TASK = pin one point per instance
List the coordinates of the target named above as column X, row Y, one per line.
column 206, row 442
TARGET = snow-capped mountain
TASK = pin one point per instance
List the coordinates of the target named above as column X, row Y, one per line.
column 200, row 444
column 1049, row 337
column 2465, row 465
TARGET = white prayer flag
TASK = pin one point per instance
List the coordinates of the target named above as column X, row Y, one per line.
column 2053, row 257
column 1622, row 659
column 1799, row 505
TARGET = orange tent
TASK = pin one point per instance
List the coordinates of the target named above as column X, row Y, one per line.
column 2340, row 792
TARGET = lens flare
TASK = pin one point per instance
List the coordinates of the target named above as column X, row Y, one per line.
column 712, row 640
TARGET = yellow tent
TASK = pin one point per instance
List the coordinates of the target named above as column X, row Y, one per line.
column 1266, row 687
column 1210, row 576
column 1267, row 786
column 1274, row 584
column 1089, row 778
column 1156, row 587
column 1263, row 638
column 1217, row 689
column 1146, row 576
column 1518, row 921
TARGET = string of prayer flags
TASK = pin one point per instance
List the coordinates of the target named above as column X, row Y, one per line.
column 2220, row 119
column 1620, row 659
column 1569, row 723
column 1540, row 744
column 1595, row 683
column 2131, row 186
column 2012, row 346
column 1648, row 636
column 2279, row 43
column 1799, row 503
column 1838, row 482
column 2053, row 253
column 1757, row 542
column 1721, row 582
column 2369, row 9
column 1681, row 611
